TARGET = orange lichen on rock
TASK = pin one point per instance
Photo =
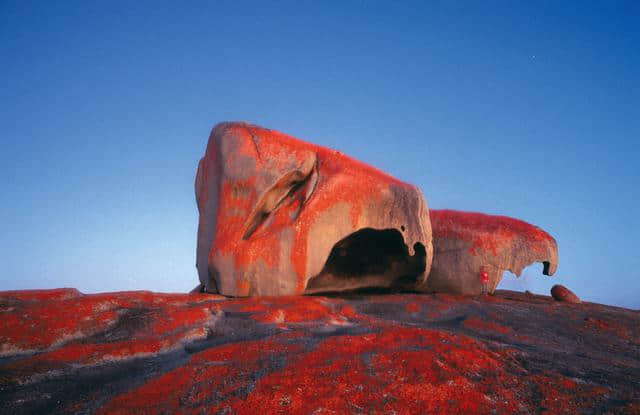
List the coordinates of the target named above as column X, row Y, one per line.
column 272, row 207
column 472, row 250
column 362, row 353
column 485, row 232
column 394, row 370
column 412, row 307
column 218, row 372
column 33, row 322
column 36, row 322
column 477, row 323
column 296, row 309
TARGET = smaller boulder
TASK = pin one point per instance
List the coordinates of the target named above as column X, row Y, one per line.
column 562, row 293
column 472, row 251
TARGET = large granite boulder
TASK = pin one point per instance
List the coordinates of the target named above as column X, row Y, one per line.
column 474, row 249
column 62, row 352
column 280, row 216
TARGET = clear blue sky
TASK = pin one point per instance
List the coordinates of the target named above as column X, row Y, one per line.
column 527, row 109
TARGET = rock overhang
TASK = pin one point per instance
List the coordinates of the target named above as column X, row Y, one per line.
column 281, row 216
column 467, row 244
column 272, row 208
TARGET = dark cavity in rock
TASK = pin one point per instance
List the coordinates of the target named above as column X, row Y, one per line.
column 370, row 258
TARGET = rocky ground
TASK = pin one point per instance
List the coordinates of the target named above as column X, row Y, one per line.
column 142, row 352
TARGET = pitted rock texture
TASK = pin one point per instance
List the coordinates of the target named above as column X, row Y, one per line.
column 280, row 216
column 468, row 244
column 562, row 293
column 141, row 352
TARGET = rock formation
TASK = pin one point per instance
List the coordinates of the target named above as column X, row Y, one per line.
column 62, row 352
column 281, row 216
column 562, row 293
column 469, row 246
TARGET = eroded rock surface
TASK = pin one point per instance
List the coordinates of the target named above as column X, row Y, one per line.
column 468, row 245
column 281, row 216
column 147, row 353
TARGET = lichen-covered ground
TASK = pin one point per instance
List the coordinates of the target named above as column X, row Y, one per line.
column 144, row 353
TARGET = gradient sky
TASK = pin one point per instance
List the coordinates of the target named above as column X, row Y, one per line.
column 526, row 109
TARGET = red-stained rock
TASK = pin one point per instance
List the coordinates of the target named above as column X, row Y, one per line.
column 562, row 293
column 510, row 353
column 280, row 216
column 469, row 246
column 43, row 320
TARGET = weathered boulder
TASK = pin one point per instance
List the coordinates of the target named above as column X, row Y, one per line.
column 562, row 293
column 63, row 352
column 470, row 247
column 280, row 216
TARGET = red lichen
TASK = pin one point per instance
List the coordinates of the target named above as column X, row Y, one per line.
column 412, row 307
column 349, row 312
column 218, row 372
column 612, row 327
column 405, row 371
column 340, row 180
column 479, row 324
column 485, row 232
column 394, row 367
column 36, row 325
column 41, row 322
column 294, row 309
column 178, row 319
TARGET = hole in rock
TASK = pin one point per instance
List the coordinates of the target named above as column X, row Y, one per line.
column 512, row 282
column 370, row 259
column 529, row 280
